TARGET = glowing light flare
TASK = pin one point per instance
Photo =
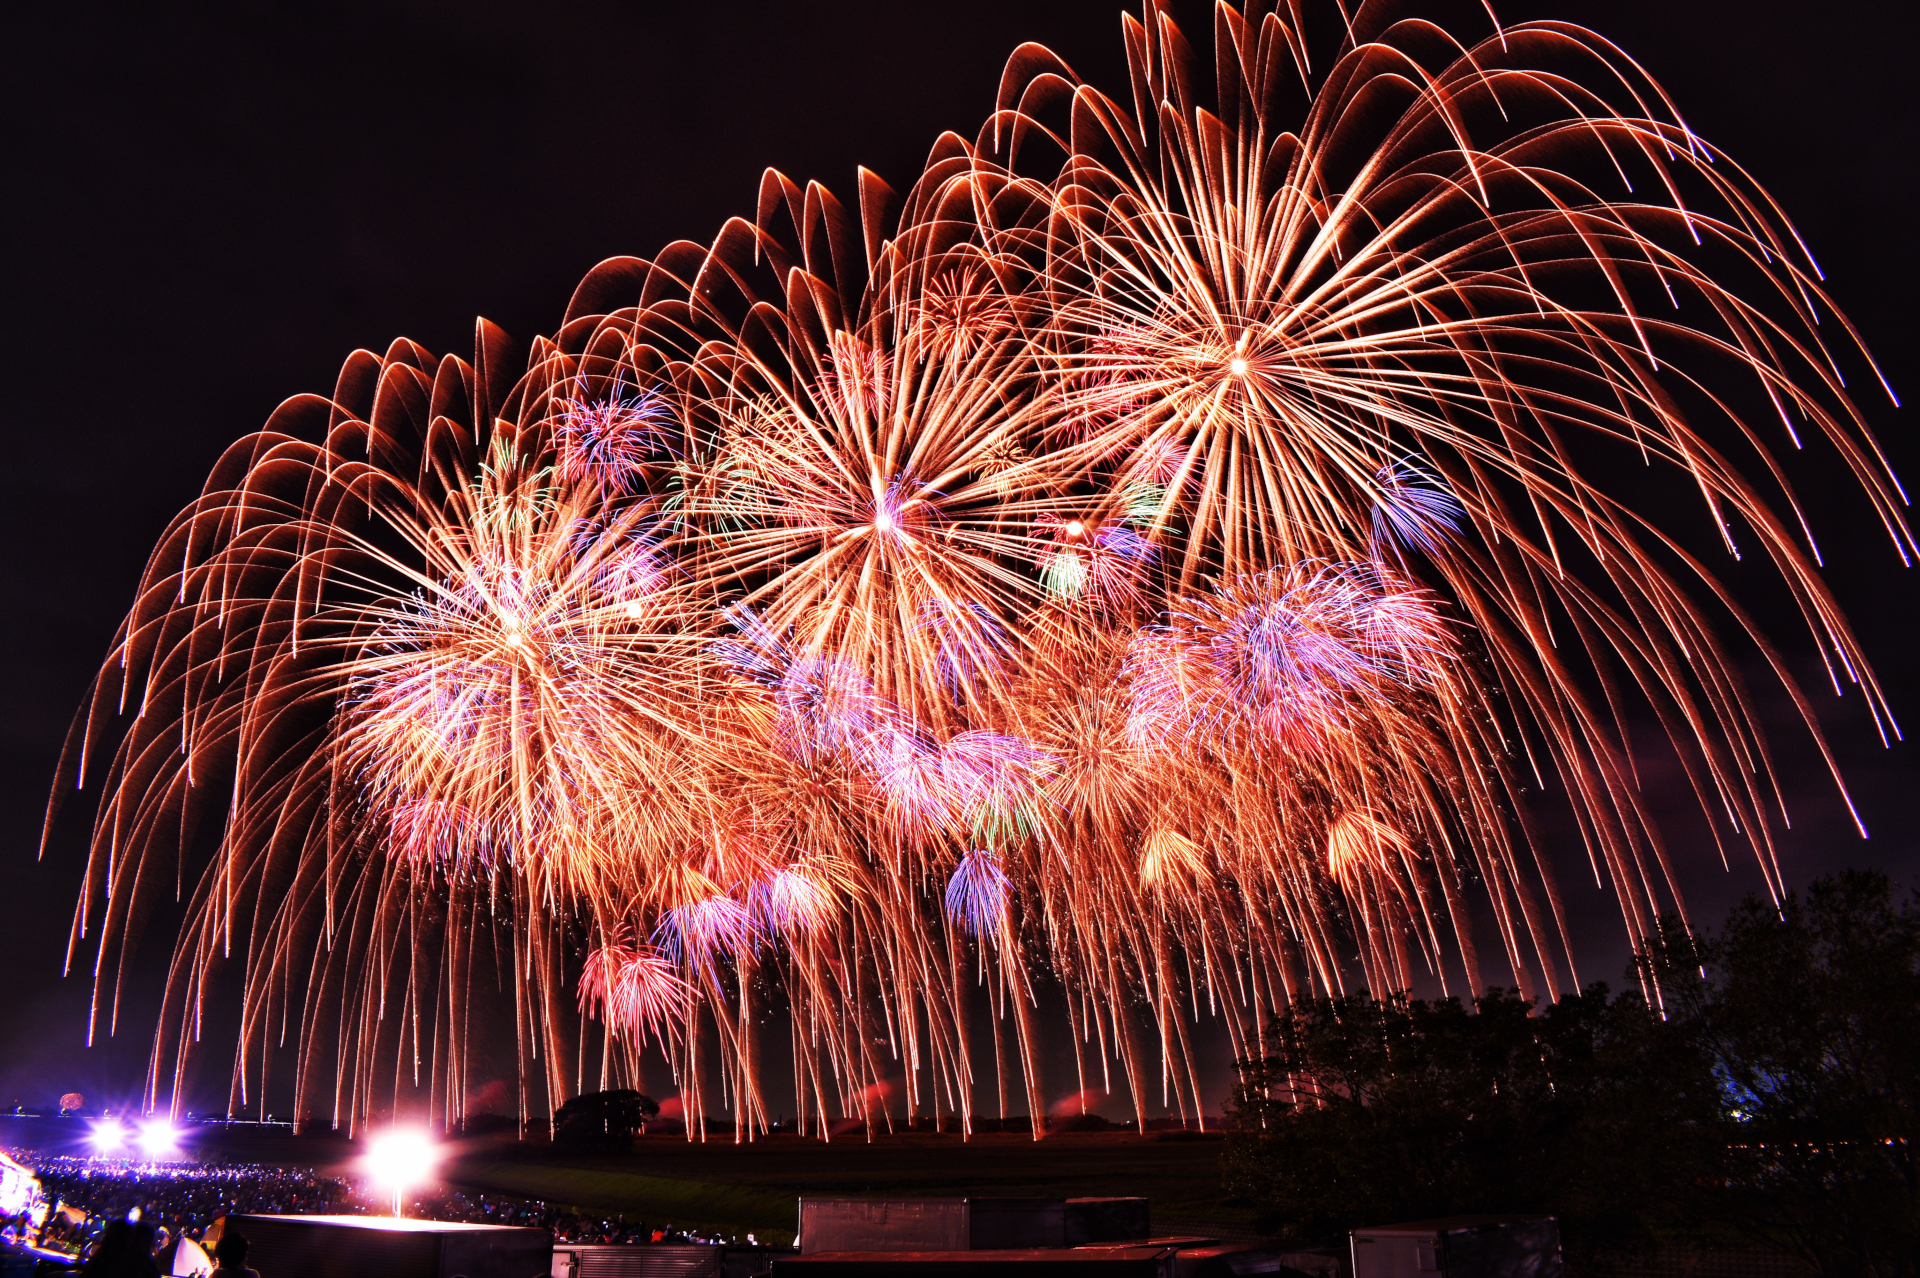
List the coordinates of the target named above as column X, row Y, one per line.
column 108, row 1137
column 158, row 1138
column 901, row 510
column 400, row 1158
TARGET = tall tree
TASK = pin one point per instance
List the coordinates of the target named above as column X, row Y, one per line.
column 1768, row 1095
column 602, row 1122
column 1811, row 1011
column 1371, row 1110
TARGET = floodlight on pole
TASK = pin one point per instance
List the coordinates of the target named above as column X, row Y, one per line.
column 399, row 1159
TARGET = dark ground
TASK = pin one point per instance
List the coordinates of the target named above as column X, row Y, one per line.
column 729, row 1188
column 720, row 1184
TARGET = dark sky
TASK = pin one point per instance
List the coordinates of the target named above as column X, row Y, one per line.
column 208, row 206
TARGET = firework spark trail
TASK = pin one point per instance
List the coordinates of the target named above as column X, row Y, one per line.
column 1142, row 565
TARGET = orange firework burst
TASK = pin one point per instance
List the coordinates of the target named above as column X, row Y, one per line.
column 1137, row 567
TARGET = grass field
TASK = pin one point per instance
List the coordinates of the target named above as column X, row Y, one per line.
column 738, row 1188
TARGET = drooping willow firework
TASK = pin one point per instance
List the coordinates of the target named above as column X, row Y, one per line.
column 1137, row 573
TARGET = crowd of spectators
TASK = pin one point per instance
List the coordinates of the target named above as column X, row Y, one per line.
column 90, row 1198
column 185, row 1197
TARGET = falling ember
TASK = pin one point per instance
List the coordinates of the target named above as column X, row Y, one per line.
column 1169, row 858
column 1413, row 508
column 638, row 994
column 795, row 900
column 977, row 894
column 1359, row 846
column 608, row 441
column 1165, row 577
column 701, row 934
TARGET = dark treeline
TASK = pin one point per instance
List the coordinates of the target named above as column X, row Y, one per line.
column 1765, row 1096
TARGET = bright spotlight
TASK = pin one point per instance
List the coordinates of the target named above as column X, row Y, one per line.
column 159, row 1139
column 400, row 1158
column 108, row 1138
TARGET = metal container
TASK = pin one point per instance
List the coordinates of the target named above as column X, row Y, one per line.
column 386, row 1247
column 1004, row 1224
column 637, row 1260
column 883, row 1224
column 660, row 1260
column 967, row 1224
column 1460, row 1247
column 1103, row 1220
column 1104, row 1262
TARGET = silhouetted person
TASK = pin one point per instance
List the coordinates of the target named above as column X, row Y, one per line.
column 230, row 1256
column 124, row 1250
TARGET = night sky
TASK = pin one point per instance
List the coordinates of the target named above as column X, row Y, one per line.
column 208, row 206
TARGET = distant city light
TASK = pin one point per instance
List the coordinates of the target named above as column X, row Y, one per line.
column 399, row 1159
